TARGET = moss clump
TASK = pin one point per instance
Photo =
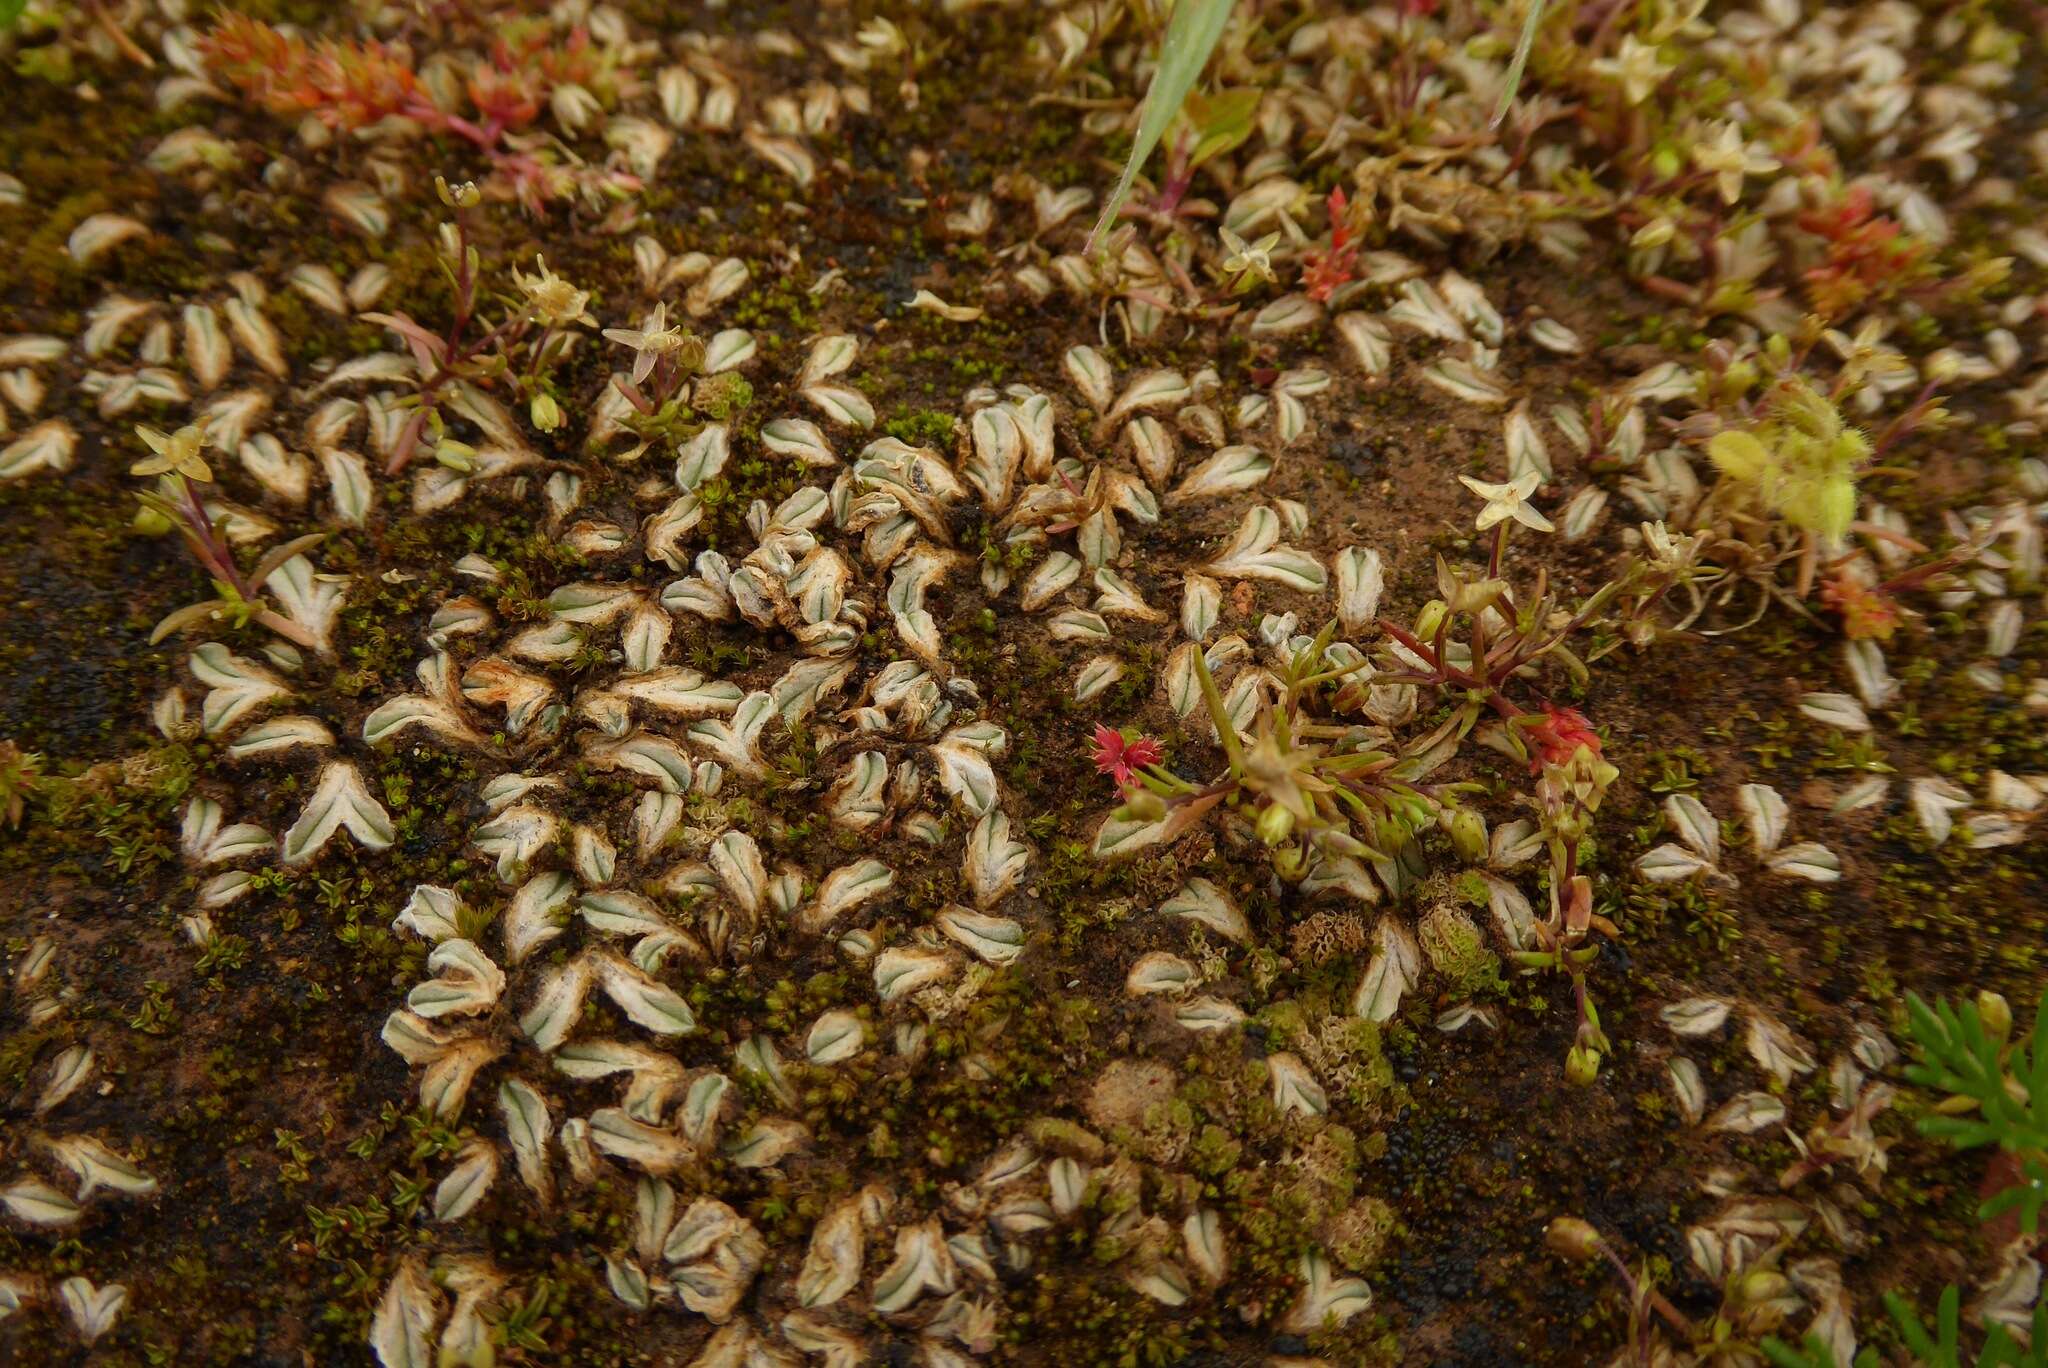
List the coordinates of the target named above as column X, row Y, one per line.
column 1325, row 936
column 722, row 396
column 1457, row 949
column 1349, row 1052
column 922, row 427
column 1358, row 1235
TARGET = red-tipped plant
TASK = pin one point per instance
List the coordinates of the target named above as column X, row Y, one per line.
column 1121, row 757
column 1867, row 254
column 1323, row 271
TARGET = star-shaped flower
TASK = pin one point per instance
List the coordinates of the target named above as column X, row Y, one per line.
column 1864, row 355
column 1121, row 759
column 1510, row 500
column 649, row 344
column 1728, row 157
column 176, row 452
column 555, row 301
column 1637, row 67
column 1252, row 260
column 1670, row 552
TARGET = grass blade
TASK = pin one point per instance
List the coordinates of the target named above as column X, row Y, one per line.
column 1530, row 24
column 1191, row 35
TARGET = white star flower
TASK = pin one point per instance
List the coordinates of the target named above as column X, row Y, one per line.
column 650, row 343
column 1510, row 500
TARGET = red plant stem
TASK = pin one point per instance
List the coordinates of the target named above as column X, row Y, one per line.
column 1904, row 423
column 217, row 559
column 119, row 36
column 1670, row 289
column 1920, row 574
column 1671, row 1314
column 408, row 438
column 633, row 394
column 1578, row 621
column 430, row 389
column 540, row 351
column 423, row 112
column 1179, row 176
column 1448, row 674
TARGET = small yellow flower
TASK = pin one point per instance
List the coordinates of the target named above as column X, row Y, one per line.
column 1510, row 500
column 1252, row 260
column 176, row 452
column 650, row 343
column 1865, row 356
column 1728, row 158
column 555, row 301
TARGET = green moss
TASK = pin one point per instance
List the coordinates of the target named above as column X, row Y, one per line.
column 922, row 427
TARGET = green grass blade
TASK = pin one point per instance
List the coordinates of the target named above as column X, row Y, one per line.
column 1191, row 35
column 1530, row 24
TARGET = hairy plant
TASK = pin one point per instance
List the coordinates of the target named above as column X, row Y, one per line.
column 1798, row 462
column 1789, row 462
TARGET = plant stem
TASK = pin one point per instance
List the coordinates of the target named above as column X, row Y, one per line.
column 1218, row 714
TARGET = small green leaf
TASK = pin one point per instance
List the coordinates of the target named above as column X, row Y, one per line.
column 1221, row 122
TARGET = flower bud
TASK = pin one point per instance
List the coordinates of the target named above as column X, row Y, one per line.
column 1762, row 1285
column 1430, row 619
column 1468, row 835
column 1478, row 596
column 545, row 412
column 1581, row 1066
column 1655, row 233
column 1996, row 1014
column 457, row 456
column 151, row 523
column 1276, row 824
column 462, row 196
column 1573, row 1238
column 1144, row 805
